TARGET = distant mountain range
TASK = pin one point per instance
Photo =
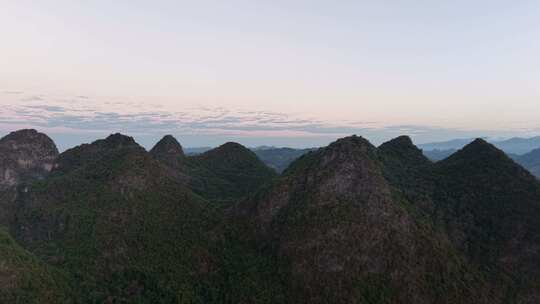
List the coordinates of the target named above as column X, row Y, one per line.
column 514, row 145
column 280, row 158
column 276, row 158
column 525, row 151
column 196, row 150
column 109, row 222
column 530, row 161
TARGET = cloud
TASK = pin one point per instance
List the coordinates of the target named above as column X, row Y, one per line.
column 47, row 108
column 84, row 115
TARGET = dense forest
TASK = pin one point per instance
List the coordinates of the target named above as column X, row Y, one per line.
column 109, row 222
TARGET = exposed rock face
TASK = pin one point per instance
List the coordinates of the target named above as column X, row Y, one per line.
column 25, row 155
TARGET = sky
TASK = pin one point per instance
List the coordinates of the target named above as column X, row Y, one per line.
column 285, row 73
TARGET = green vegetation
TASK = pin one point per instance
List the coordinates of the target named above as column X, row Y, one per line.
column 349, row 223
column 230, row 165
column 490, row 207
column 25, row 279
column 126, row 231
column 224, row 174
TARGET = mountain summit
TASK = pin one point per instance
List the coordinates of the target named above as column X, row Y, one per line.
column 228, row 172
column 25, row 155
column 87, row 153
column 167, row 146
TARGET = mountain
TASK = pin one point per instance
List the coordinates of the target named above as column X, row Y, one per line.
column 168, row 146
column 339, row 216
column 343, row 234
column 121, row 226
column 453, row 144
column 25, row 155
column 279, row 158
column 276, row 158
column 531, row 161
column 490, row 207
column 405, row 167
column 518, row 145
column 347, row 223
column 170, row 153
column 515, row 145
column 225, row 173
column 238, row 169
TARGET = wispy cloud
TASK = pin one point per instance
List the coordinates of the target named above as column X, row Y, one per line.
column 75, row 114
column 84, row 115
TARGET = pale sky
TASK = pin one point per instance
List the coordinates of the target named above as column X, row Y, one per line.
column 296, row 73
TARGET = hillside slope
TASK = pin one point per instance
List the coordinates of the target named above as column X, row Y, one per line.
column 126, row 231
column 113, row 218
column 343, row 234
column 25, row 279
column 348, row 223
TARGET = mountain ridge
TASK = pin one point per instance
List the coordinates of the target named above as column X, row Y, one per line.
column 514, row 145
column 330, row 212
column 225, row 173
column 345, row 223
column 531, row 161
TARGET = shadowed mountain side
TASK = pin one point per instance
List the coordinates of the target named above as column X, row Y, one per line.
column 491, row 209
column 226, row 173
column 343, row 236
